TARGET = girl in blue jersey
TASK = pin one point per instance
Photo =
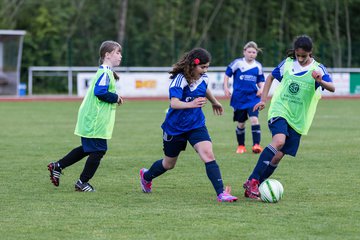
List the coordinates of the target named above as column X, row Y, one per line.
column 185, row 122
column 292, row 108
column 247, row 88
column 96, row 119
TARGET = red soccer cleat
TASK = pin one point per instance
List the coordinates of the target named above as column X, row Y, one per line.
column 241, row 149
column 257, row 148
column 55, row 172
column 252, row 189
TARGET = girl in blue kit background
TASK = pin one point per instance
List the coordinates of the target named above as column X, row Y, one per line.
column 185, row 122
column 95, row 121
column 292, row 108
column 248, row 82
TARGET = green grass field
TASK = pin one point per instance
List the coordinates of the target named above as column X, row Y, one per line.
column 321, row 198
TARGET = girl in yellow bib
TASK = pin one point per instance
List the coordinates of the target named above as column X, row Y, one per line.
column 96, row 119
column 292, row 108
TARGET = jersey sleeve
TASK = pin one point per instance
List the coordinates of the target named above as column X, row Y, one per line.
column 260, row 76
column 324, row 75
column 101, row 89
column 232, row 68
column 176, row 87
column 279, row 71
column 205, row 78
column 229, row 72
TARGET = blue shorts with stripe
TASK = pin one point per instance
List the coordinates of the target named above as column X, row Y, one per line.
column 173, row 145
column 280, row 125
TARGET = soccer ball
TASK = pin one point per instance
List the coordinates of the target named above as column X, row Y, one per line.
column 271, row 191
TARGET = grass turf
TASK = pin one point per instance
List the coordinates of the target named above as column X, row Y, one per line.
column 321, row 184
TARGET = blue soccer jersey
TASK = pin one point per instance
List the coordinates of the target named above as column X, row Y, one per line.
column 299, row 70
column 246, row 76
column 178, row 121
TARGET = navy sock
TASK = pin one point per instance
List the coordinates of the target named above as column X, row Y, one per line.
column 72, row 157
column 256, row 134
column 155, row 170
column 268, row 172
column 240, row 135
column 263, row 162
column 213, row 173
column 91, row 165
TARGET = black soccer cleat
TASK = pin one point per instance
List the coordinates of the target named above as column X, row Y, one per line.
column 83, row 187
column 55, row 172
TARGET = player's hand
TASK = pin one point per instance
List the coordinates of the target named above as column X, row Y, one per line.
column 120, row 100
column 258, row 93
column 199, row 102
column 217, row 108
column 316, row 75
column 227, row 92
column 259, row 106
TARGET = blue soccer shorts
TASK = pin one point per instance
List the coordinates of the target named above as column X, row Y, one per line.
column 241, row 115
column 280, row 125
column 173, row 145
column 94, row 144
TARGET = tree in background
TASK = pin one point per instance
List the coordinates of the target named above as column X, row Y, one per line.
column 157, row 32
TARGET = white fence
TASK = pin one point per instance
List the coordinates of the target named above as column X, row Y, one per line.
column 154, row 81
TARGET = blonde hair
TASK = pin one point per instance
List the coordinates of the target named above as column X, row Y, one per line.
column 252, row 44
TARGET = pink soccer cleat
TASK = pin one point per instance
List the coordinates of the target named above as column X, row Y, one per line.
column 226, row 196
column 145, row 185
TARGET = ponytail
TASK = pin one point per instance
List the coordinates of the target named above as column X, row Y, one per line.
column 116, row 76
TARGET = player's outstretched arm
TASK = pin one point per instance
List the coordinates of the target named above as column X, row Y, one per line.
column 265, row 93
column 216, row 105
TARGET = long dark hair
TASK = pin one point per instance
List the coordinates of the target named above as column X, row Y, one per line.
column 304, row 42
column 189, row 61
column 108, row 47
